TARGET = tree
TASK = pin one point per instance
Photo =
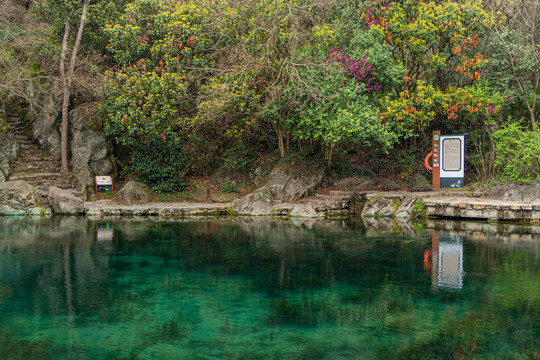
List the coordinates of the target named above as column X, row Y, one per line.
column 516, row 48
column 258, row 69
column 59, row 12
column 437, row 43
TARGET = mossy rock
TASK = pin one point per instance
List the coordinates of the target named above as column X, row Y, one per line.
column 419, row 183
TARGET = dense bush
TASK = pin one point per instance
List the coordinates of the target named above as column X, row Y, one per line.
column 161, row 166
column 517, row 158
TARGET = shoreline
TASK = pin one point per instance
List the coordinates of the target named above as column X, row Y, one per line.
column 456, row 204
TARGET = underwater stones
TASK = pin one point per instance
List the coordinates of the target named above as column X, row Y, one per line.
column 133, row 193
column 64, row 202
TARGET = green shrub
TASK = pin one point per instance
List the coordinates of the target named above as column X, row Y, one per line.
column 343, row 169
column 517, row 158
column 160, row 166
column 238, row 157
column 230, row 187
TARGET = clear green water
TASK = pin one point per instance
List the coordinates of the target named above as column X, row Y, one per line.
column 256, row 289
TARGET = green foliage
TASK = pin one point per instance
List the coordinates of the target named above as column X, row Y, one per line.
column 517, row 152
column 238, row 157
column 230, row 187
column 160, row 166
column 419, row 210
column 342, row 169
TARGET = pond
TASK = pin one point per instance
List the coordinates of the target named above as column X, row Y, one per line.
column 255, row 288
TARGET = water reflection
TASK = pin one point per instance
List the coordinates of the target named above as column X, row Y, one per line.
column 257, row 288
column 446, row 261
column 105, row 231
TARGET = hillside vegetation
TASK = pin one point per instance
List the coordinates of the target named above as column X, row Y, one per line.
column 186, row 87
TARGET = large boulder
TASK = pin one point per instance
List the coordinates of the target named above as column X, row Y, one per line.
column 257, row 203
column 20, row 198
column 43, row 123
column 200, row 192
column 292, row 182
column 133, row 193
column 64, row 202
column 8, row 150
column 91, row 150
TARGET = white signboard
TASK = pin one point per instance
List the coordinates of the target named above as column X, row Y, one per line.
column 103, row 180
column 452, row 174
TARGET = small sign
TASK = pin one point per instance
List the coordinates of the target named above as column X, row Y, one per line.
column 103, row 180
column 104, row 183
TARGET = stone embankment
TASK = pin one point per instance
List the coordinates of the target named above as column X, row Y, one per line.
column 20, row 198
column 339, row 204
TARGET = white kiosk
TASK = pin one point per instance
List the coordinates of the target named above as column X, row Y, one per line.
column 448, row 160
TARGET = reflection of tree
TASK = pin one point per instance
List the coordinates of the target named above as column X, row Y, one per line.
column 167, row 275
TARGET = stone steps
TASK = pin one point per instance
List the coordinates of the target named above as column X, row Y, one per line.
column 33, row 166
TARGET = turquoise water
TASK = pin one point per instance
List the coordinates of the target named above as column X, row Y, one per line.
column 260, row 289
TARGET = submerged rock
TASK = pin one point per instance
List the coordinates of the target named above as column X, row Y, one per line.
column 133, row 193
column 64, row 202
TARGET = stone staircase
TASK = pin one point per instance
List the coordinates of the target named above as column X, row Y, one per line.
column 33, row 165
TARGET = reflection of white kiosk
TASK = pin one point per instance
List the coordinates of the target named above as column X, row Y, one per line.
column 104, row 232
column 447, row 270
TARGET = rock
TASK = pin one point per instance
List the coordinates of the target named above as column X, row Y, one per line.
column 200, row 192
column 223, row 175
column 420, row 183
column 257, row 203
column 379, row 206
column 406, row 208
column 354, row 183
column 225, row 197
column 64, row 202
column 515, row 192
column 19, row 188
column 91, row 150
column 304, row 210
column 44, row 121
column 19, row 198
column 259, row 176
column 8, row 152
column 133, row 193
column 291, row 182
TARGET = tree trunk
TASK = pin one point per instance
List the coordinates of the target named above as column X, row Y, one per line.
column 67, row 78
column 281, row 144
